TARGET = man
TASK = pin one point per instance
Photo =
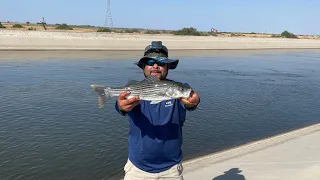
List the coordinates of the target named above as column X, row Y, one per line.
column 155, row 136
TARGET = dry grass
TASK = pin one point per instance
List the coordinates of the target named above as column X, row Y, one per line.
column 39, row 27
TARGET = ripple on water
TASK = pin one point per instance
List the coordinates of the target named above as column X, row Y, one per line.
column 52, row 128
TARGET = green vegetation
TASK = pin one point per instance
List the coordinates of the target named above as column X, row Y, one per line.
column 31, row 29
column 187, row 31
column 82, row 26
column 131, row 31
column 118, row 31
column 17, row 26
column 64, row 27
column 288, row 34
column 190, row 32
column 104, row 30
column 152, row 32
column 2, row 26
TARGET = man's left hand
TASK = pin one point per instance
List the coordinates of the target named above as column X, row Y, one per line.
column 191, row 101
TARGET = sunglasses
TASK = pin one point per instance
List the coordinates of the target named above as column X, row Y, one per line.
column 151, row 62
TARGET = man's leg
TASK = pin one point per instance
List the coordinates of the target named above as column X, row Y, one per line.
column 174, row 173
column 134, row 173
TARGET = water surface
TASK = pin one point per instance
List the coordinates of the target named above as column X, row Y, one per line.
column 51, row 127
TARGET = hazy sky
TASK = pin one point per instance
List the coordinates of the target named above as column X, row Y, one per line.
column 270, row 16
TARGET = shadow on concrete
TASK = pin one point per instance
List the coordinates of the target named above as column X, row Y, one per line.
column 231, row 174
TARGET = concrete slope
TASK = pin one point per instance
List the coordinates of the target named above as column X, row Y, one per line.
column 290, row 156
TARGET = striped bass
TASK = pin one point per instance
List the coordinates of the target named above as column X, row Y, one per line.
column 150, row 89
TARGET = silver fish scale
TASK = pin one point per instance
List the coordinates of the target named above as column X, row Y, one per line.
column 151, row 91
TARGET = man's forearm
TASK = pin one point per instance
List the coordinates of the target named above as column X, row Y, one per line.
column 121, row 112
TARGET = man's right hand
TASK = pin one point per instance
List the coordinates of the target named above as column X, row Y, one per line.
column 127, row 105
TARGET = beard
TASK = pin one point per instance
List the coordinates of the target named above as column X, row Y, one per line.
column 159, row 74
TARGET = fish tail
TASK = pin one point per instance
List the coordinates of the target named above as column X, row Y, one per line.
column 101, row 101
column 102, row 94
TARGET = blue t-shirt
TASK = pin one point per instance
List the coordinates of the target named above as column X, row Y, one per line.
column 155, row 135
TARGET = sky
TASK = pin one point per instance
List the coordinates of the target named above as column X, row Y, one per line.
column 268, row 16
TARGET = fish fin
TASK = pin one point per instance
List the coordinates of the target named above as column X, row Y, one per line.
column 131, row 82
column 155, row 102
column 101, row 101
column 98, row 88
column 102, row 96
column 150, row 79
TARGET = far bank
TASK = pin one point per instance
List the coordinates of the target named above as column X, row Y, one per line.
column 49, row 40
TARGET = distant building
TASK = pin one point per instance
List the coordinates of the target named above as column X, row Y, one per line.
column 214, row 30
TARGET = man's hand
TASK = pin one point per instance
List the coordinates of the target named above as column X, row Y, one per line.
column 191, row 101
column 127, row 105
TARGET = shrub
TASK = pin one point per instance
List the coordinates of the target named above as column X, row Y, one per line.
column 104, row 30
column 118, row 31
column 288, row 34
column 191, row 32
column 64, row 27
column 204, row 34
column 152, row 32
column 131, row 30
column 31, row 28
column 17, row 26
column 2, row 26
column 187, row 31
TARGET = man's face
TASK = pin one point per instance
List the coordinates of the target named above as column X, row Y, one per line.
column 160, row 72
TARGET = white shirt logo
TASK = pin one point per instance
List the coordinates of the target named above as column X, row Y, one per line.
column 168, row 103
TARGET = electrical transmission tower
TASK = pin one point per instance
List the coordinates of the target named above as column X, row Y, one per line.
column 108, row 21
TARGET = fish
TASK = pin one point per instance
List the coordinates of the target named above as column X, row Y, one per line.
column 149, row 89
